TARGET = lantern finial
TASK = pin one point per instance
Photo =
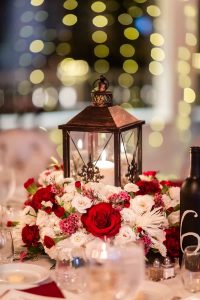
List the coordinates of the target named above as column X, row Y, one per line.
column 100, row 96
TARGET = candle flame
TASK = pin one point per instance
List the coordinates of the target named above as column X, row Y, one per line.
column 80, row 144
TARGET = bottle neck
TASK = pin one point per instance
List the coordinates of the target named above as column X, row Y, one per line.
column 195, row 162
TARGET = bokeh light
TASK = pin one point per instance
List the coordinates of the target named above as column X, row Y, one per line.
column 135, row 11
column 189, row 95
column 98, row 6
column 157, row 124
column 130, row 66
column 69, row 19
column 190, row 39
column 125, row 80
column 155, row 139
column 67, row 97
column 184, row 53
column 49, row 48
column 26, row 31
column 37, row 2
column 153, row 11
column 41, row 16
column 183, row 67
column 156, row 68
column 37, row 76
column 125, row 19
column 36, row 46
column 157, row 39
column 99, row 36
column 157, row 54
column 100, row 21
column 27, row 16
column 101, row 51
column 70, row 4
column 24, row 87
column 101, row 66
column 184, row 108
column 131, row 33
column 63, row 49
column 25, row 60
column 144, row 25
column 49, row 34
column 127, row 50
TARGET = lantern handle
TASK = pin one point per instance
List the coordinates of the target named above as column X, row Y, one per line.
column 103, row 83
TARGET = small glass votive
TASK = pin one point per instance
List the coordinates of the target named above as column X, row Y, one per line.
column 156, row 271
column 190, row 269
column 6, row 246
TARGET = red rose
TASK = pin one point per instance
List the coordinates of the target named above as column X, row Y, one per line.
column 78, row 184
column 30, row 235
column 102, row 220
column 9, row 223
column 148, row 187
column 42, row 194
column 48, row 241
column 29, row 182
column 172, row 241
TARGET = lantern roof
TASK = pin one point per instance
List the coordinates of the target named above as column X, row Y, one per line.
column 102, row 116
column 102, row 119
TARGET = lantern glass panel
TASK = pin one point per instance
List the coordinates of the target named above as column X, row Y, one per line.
column 95, row 148
column 129, row 154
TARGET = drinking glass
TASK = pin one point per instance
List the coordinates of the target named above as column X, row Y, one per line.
column 68, row 271
column 7, row 184
column 190, row 269
column 114, row 272
column 6, row 246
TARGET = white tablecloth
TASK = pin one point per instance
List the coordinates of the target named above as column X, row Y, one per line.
column 174, row 285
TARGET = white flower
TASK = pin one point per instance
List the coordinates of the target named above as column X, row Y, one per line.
column 42, row 218
column 52, row 252
column 174, row 193
column 125, row 235
column 49, row 177
column 28, row 216
column 174, row 217
column 167, row 201
column 47, row 231
column 159, row 246
column 131, row 188
column 47, row 203
column 109, row 190
column 151, row 219
column 70, row 188
column 142, row 203
column 81, row 203
column 78, row 239
column 128, row 215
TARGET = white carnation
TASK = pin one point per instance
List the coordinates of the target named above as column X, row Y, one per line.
column 142, row 203
column 125, row 235
column 145, row 177
column 47, row 231
column 131, row 188
column 70, row 188
column 28, row 216
column 167, row 201
column 81, row 203
column 128, row 215
column 42, row 218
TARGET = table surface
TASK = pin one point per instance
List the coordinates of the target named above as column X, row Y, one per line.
column 175, row 284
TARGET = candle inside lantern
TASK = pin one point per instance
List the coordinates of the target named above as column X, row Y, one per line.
column 83, row 152
column 106, row 169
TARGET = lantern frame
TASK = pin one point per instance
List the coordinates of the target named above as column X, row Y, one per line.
column 103, row 119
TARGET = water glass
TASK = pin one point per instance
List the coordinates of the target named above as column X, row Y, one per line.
column 6, row 246
column 69, row 275
column 115, row 272
column 190, row 269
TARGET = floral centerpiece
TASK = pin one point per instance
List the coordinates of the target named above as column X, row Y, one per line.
column 61, row 214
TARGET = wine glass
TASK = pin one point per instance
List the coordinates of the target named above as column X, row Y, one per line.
column 6, row 246
column 7, row 184
column 68, row 271
column 190, row 269
column 110, row 271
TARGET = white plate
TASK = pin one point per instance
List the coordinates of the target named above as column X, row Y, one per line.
column 156, row 291
column 20, row 275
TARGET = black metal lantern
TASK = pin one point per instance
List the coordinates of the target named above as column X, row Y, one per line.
column 103, row 142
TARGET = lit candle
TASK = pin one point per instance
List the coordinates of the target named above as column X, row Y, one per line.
column 83, row 153
column 106, row 169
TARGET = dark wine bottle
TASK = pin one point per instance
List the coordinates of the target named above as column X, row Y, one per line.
column 190, row 204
